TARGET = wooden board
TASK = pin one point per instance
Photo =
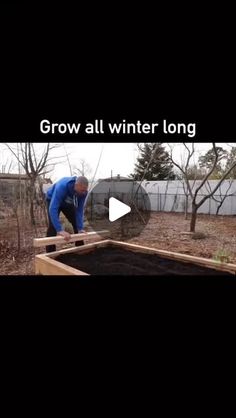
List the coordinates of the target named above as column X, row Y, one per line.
column 83, row 249
column 55, row 267
column 46, row 265
column 41, row 242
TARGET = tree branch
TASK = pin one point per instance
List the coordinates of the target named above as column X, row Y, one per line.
column 209, row 173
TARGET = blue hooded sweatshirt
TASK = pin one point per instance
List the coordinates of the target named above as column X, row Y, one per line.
column 61, row 192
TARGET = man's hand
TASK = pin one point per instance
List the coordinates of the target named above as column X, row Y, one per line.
column 65, row 235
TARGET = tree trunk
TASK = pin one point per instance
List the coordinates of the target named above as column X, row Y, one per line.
column 193, row 217
column 18, row 231
column 42, row 195
column 33, row 222
column 45, row 214
column 32, row 214
column 186, row 207
column 218, row 208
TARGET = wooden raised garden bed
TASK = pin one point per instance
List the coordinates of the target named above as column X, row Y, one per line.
column 109, row 257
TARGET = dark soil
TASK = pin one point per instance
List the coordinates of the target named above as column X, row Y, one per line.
column 115, row 261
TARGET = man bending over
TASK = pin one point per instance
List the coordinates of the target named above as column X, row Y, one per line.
column 66, row 196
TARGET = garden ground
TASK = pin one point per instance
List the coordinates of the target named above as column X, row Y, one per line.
column 165, row 231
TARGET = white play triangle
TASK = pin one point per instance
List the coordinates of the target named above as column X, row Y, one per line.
column 117, row 209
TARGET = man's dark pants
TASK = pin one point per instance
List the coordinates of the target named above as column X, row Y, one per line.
column 69, row 212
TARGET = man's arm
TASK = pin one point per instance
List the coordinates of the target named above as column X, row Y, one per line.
column 59, row 194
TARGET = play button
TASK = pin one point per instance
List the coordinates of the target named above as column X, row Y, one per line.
column 119, row 205
column 117, row 209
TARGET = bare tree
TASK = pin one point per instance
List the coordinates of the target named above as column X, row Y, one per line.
column 186, row 173
column 186, row 193
column 82, row 169
column 221, row 197
column 193, row 173
column 68, row 160
column 6, row 164
column 194, row 192
column 34, row 164
column 15, row 208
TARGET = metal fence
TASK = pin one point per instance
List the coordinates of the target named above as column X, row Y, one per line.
column 163, row 202
column 97, row 204
column 170, row 202
column 169, row 196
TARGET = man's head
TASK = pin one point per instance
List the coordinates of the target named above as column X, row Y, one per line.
column 81, row 185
